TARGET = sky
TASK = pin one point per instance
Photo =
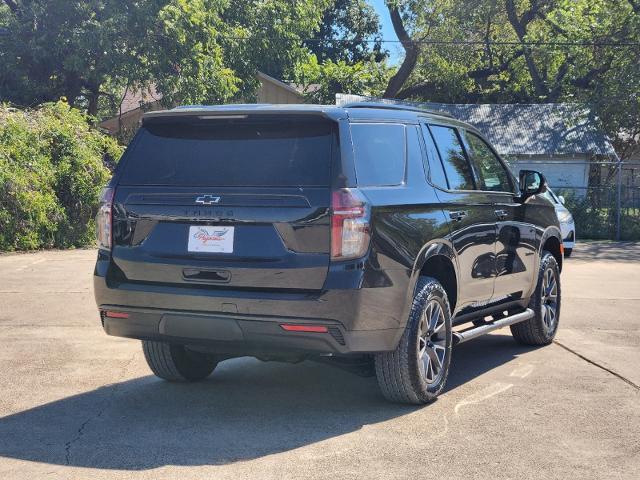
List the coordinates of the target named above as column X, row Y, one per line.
column 395, row 50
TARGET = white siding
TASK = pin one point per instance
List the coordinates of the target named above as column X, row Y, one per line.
column 560, row 172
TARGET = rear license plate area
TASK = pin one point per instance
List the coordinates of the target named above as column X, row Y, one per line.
column 210, row 239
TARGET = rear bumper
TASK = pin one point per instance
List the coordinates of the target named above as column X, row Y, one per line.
column 361, row 320
column 244, row 336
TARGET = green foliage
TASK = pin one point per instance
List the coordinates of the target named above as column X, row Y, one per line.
column 52, row 168
column 595, row 214
column 529, row 51
column 321, row 81
column 266, row 36
column 189, row 67
column 193, row 51
column 355, row 20
column 591, row 222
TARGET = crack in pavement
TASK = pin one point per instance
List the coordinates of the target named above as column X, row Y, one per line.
column 68, row 445
column 596, row 364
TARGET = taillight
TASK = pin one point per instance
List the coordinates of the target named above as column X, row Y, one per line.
column 103, row 219
column 349, row 224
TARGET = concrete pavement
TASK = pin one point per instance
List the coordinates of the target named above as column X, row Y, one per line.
column 75, row 403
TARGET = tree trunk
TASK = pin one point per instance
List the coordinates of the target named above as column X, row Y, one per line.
column 92, row 109
column 411, row 54
column 519, row 26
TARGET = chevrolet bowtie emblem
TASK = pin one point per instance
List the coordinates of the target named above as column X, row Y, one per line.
column 207, row 199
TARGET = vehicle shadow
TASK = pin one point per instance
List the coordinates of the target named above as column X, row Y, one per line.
column 246, row 410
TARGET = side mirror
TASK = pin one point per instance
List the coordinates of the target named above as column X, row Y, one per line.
column 561, row 198
column 532, row 183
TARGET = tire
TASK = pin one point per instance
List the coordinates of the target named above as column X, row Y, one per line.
column 567, row 252
column 545, row 302
column 410, row 373
column 175, row 363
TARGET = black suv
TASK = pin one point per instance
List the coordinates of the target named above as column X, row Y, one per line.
column 349, row 234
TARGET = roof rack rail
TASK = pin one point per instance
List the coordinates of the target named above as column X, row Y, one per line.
column 396, row 106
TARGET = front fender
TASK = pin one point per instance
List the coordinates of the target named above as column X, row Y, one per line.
column 551, row 232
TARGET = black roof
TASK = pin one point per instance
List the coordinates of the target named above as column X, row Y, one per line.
column 367, row 110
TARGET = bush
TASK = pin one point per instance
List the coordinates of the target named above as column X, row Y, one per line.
column 53, row 165
column 595, row 215
column 591, row 222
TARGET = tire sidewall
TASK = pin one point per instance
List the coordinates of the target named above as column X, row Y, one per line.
column 428, row 289
column 547, row 261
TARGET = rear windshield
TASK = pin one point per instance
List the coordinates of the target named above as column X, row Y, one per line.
column 283, row 153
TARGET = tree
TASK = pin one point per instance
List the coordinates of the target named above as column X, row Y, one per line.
column 53, row 165
column 353, row 20
column 524, row 51
column 321, row 81
column 267, row 36
column 519, row 50
column 194, row 51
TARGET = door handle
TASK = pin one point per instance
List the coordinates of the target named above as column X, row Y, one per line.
column 458, row 216
column 502, row 214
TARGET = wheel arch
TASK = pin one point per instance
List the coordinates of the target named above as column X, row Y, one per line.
column 436, row 259
column 552, row 242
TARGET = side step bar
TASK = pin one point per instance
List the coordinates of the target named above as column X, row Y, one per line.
column 473, row 332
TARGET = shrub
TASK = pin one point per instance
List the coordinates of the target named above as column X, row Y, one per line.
column 595, row 215
column 53, row 165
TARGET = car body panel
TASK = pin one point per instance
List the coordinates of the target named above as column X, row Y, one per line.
column 282, row 272
column 567, row 224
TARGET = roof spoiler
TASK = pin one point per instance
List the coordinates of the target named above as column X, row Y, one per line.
column 241, row 111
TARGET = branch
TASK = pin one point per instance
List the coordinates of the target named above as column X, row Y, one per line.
column 554, row 26
column 555, row 92
column 411, row 54
column 520, row 27
column 585, row 80
column 481, row 73
column 415, row 90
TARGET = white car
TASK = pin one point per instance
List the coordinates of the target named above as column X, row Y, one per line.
column 567, row 225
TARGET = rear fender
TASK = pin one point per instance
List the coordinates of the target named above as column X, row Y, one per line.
column 430, row 250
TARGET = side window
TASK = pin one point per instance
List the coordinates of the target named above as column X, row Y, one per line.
column 434, row 167
column 493, row 175
column 380, row 152
column 454, row 160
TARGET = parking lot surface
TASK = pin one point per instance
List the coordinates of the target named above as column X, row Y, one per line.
column 76, row 403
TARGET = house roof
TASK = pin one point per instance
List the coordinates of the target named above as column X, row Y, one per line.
column 135, row 99
column 525, row 129
column 275, row 81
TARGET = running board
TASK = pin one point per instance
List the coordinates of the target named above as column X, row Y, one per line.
column 473, row 332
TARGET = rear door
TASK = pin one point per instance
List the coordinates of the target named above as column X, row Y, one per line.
column 241, row 203
column 516, row 238
column 470, row 212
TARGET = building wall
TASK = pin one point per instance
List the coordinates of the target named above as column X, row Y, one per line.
column 129, row 121
column 270, row 92
column 560, row 172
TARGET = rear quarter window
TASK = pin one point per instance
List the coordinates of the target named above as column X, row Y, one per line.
column 380, row 153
